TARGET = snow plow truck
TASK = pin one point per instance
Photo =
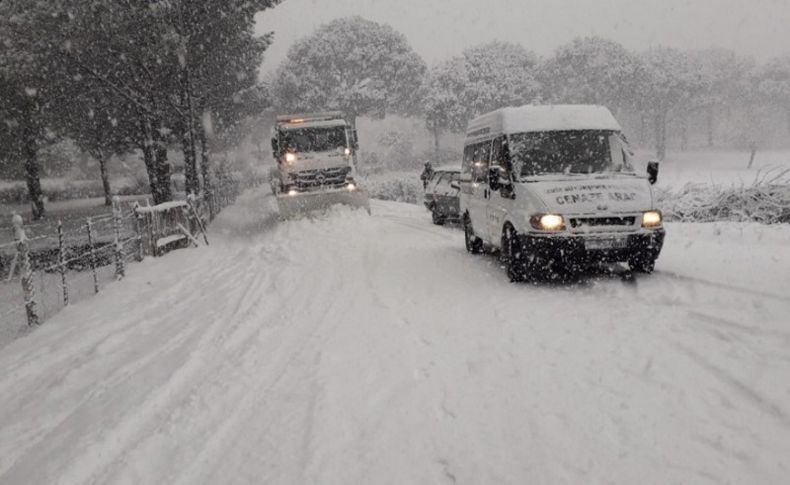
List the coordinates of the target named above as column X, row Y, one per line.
column 315, row 155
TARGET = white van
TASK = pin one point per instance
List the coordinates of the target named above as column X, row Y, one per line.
column 553, row 187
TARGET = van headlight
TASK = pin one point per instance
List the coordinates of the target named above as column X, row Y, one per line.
column 651, row 219
column 290, row 157
column 547, row 222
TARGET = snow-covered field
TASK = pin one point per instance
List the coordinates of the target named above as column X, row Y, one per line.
column 713, row 167
column 350, row 348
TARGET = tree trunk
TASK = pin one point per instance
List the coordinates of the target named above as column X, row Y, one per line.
column 684, row 132
column 436, row 154
column 161, row 165
column 190, row 166
column 661, row 135
column 711, row 125
column 205, row 161
column 147, row 146
column 105, row 178
column 32, row 169
column 643, row 129
column 33, row 178
column 188, row 139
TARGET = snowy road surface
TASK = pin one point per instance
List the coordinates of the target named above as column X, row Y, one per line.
column 356, row 349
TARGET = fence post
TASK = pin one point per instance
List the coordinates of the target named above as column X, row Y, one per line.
column 92, row 254
column 138, row 228
column 26, row 271
column 152, row 221
column 117, row 220
column 62, row 264
column 196, row 214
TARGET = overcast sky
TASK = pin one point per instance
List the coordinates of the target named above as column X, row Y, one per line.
column 438, row 29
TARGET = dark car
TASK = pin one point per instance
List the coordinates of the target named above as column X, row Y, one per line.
column 441, row 195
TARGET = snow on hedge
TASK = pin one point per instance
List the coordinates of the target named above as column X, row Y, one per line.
column 395, row 186
column 766, row 199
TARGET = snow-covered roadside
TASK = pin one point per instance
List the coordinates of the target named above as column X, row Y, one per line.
column 747, row 255
column 354, row 349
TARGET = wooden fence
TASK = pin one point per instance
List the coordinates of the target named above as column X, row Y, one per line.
column 101, row 246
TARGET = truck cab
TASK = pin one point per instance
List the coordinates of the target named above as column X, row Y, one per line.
column 553, row 187
column 313, row 152
column 315, row 163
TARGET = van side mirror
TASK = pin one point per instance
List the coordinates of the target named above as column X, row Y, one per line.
column 493, row 179
column 275, row 147
column 652, row 172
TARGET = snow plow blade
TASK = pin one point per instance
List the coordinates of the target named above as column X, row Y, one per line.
column 307, row 202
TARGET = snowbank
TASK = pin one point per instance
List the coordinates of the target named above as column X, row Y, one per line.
column 750, row 255
column 395, row 186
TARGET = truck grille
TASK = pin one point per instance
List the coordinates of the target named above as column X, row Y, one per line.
column 577, row 222
column 329, row 177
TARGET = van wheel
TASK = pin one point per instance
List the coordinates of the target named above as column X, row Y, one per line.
column 642, row 264
column 436, row 217
column 474, row 244
column 513, row 257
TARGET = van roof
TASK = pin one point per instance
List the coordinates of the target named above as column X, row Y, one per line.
column 532, row 118
column 311, row 124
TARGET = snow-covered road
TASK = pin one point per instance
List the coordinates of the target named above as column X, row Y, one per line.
column 358, row 349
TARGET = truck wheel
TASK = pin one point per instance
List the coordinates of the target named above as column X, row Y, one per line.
column 513, row 257
column 642, row 264
column 436, row 217
column 474, row 244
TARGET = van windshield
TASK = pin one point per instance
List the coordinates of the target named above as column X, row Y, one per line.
column 315, row 139
column 568, row 152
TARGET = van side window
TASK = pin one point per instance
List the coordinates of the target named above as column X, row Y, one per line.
column 499, row 155
column 466, row 166
column 482, row 155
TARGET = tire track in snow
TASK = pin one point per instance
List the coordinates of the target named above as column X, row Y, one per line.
column 723, row 286
column 256, row 412
column 749, row 394
column 110, row 437
column 108, row 356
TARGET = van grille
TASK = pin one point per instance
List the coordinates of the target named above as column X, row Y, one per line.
column 577, row 222
column 329, row 177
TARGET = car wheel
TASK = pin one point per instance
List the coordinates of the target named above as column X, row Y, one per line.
column 513, row 256
column 474, row 244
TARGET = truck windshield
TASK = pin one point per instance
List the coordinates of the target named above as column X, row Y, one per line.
column 568, row 152
column 315, row 139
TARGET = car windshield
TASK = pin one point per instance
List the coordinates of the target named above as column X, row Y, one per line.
column 315, row 139
column 568, row 152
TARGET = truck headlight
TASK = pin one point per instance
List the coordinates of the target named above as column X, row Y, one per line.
column 651, row 219
column 290, row 157
column 347, row 151
column 547, row 222
column 351, row 187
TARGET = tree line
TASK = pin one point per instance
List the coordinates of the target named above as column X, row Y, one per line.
column 366, row 68
column 145, row 76
column 123, row 76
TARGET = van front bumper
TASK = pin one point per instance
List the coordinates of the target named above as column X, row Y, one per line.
column 569, row 250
